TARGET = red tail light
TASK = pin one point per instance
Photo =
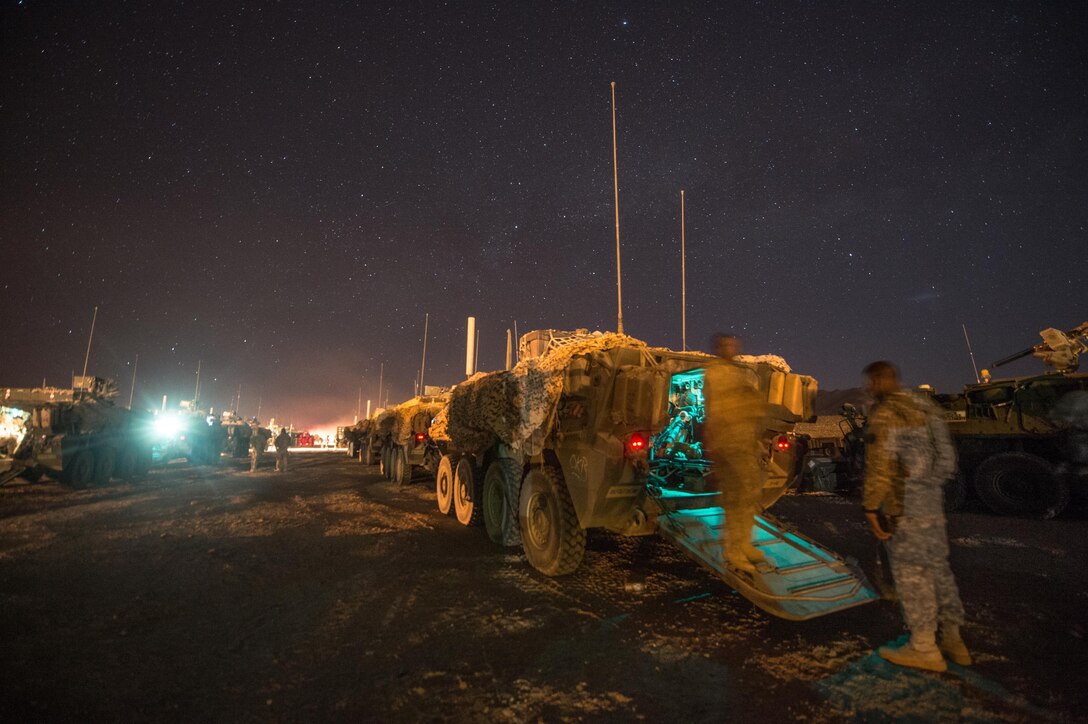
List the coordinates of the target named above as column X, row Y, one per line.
column 782, row 443
column 420, row 437
column 636, row 443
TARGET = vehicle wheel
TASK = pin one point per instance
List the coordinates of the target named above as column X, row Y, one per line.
column 467, row 492
column 79, row 473
column 385, row 463
column 126, row 464
column 501, row 485
column 955, row 493
column 443, row 485
column 402, row 469
column 104, row 462
column 351, row 449
column 553, row 541
column 1021, row 484
column 31, row 474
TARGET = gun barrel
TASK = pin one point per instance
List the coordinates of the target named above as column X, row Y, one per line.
column 1013, row 357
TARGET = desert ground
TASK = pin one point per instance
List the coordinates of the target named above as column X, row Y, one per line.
column 328, row 593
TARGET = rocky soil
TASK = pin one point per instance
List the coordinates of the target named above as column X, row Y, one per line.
column 328, row 593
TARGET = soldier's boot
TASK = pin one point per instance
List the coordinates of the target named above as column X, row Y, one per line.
column 753, row 554
column 740, row 562
column 952, row 646
column 733, row 544
column 919, row 652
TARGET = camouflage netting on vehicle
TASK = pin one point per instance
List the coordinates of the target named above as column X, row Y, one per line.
column 395, row 423
column 517, row 407
column 405, row 412
column 768, row 359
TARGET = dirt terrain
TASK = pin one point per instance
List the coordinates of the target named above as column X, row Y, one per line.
column 327, row 593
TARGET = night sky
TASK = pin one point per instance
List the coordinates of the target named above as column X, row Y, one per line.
column 281, row 191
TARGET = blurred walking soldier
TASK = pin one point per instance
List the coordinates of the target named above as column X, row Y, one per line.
column 258, row 441
column 283, row 442
column 909, row 456
column 735, row 412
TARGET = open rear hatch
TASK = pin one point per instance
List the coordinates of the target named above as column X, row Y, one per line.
column 800, row 580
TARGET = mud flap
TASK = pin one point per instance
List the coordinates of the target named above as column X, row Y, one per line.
column 800, row 580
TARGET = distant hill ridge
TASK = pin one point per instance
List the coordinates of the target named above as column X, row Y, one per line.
column 829, row 402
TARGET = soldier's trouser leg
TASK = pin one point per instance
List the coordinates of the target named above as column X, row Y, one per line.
column 253, row 455
column 923, row 578
column 739, row 481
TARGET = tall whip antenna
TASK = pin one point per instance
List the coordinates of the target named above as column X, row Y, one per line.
column 87, row 357
column 616, row 192
column 970, row 352
column 131, row 389
column 683, row 281
column 423, row 365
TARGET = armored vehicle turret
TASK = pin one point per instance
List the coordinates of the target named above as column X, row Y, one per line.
column 1023, row 441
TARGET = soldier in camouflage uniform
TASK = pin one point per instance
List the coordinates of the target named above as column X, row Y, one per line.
column 909, row 456
column 735, row 412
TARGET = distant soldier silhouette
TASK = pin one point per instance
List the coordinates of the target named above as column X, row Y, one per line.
column 258, row 441
column 283, row 442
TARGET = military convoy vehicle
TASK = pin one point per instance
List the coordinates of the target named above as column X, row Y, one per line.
column 599, row 430
column 408, row 447
column 398, row 438
column 79, row 436
column 1023, row 441
column 189, row 433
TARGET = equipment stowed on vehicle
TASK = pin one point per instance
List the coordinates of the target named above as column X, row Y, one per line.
column 78, row 436
column 398, row 439
column 601, row 431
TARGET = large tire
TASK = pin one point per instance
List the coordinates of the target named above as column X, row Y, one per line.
column 127, row 460
column 385, row 462
column 502, row 483
column 104, row 461
column 467, row 492
column 443, row 485
column 1017, row 483
column 553, row 541
column 79, row 473
column 31, row 474
column 955, row 493
column 402, row 469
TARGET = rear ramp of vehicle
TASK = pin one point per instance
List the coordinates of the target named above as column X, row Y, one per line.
column 801, row 580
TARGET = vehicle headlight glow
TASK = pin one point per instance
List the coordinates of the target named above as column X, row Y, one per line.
column 167, row 426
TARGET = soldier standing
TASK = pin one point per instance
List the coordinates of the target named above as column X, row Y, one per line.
column 735, row 412
column 258, row 441
column 909, row 456
column 283, row 442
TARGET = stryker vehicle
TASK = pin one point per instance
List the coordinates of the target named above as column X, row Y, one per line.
column 78, row 436
column 188, row 433
column 1023, row 441
column 602, row 431
column 408, row 445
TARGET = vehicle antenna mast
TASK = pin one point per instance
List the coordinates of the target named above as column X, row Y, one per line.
column 423, row 365
column 616, row 193
column 87, row 357
column 683, row 281
column 971, row 352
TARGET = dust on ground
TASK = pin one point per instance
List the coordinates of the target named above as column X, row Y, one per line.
column 328, row 593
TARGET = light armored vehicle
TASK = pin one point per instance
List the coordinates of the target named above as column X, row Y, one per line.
column 1022, row 442
column 78, row 436
column 599, row 430
column 406, row 445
